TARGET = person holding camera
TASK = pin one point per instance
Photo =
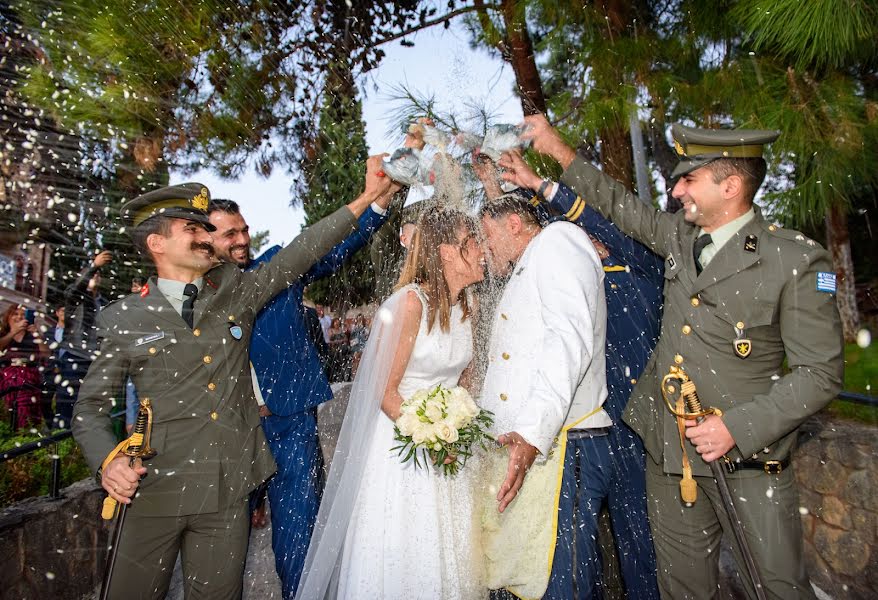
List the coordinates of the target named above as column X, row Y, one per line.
column 82, row 301
column 22, row 350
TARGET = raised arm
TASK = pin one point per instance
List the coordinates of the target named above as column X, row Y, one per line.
column 613, row 200
column 266, row 281
column 368, row 223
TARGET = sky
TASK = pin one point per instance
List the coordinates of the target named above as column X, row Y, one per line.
column 440, row 63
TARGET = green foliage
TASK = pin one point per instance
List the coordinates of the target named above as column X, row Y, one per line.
column 258, row 241
column 335, row 177
column 819, row 34
column 31, row 475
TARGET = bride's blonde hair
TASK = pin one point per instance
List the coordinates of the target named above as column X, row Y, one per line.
column 423, row 264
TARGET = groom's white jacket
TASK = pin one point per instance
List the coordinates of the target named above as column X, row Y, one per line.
column 546, row 354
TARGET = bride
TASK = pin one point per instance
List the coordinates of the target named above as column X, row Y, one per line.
column 388, row 529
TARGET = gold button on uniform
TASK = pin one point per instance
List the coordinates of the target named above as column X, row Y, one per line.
column 633, row 381
column 613, row 286
column 740, row 324
column 211, row 386
column 196, row 332
column 231, row 317
column 152, row 350
column 505, row 356
column 214, row 416
column 504, row 397
column 678, row 359
column 695, row 301
column 207, row 359
column 503, row 316
column 771, row 228
column 686, row 330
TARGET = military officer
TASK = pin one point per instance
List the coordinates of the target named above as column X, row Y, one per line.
column 741, row 296
column 183, row 341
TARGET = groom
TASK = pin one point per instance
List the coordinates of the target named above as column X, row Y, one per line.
column 546, row 376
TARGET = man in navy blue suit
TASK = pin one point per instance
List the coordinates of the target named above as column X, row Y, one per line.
column 289, row 383
column 633, row 280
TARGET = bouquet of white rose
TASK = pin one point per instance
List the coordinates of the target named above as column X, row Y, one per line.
column 441, row 424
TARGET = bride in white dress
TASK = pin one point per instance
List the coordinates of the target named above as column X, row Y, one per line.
column 387, row 529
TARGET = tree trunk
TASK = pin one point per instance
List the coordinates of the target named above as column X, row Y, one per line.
column 520, row 54
column 838, row 240
column 616, row 153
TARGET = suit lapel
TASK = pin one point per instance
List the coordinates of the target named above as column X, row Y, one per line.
column 731, row 259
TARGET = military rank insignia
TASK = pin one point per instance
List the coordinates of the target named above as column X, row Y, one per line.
column 743, row 347
column 750, row 243
column 200, row 201
column 236, row 331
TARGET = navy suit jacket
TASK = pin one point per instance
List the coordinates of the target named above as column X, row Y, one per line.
column 633, row 281
column 290, row 374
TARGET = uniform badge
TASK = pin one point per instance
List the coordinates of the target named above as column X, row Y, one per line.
column 236, row 331
column 144, row 291
column 826, row 282
column 149, row 338
column 743, row 347
column 671, row 262
column 750, row 243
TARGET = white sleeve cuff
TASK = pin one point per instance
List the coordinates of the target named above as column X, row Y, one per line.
column 378, row 209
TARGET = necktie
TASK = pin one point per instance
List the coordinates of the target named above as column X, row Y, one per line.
column 191, row 292
column 700, row 243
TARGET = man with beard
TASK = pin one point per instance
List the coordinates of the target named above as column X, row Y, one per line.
column 184, row 342
column 546, row 385
column 289, row 383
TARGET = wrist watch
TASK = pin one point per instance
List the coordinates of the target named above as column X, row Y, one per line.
column 543, row 187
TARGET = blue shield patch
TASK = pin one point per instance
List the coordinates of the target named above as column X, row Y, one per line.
column 825, row 282
column 236, row 331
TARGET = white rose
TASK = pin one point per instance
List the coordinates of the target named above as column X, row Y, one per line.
column 419, row 397
column 458, row 416
column 433, row 411
column 422, row 432
column 446, row 432
column 407, row 423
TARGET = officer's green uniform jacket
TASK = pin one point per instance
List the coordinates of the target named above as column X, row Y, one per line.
column 762, row 281
column 211, row 448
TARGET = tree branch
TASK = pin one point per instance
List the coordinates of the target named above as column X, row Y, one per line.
column 426, row 24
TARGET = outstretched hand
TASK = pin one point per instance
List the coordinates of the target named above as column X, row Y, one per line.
column 546, row 140
column 519, row 172
column 521, row 457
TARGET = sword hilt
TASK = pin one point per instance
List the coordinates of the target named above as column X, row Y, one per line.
column 134, row 447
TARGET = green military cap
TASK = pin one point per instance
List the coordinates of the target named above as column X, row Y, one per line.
column 185, row 201
column 697, row 147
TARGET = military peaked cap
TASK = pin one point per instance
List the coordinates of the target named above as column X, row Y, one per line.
column 697, row 147
column 185, row 201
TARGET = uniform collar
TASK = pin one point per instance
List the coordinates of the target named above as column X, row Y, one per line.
column 173, row 289
column 723, row 234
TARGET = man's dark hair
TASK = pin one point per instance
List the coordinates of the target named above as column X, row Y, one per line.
column 137, row 281
column 229, row 207
column 510, row 204
column 750, row 170
column 159, row 224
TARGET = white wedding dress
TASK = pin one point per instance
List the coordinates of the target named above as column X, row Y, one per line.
column 412, row 531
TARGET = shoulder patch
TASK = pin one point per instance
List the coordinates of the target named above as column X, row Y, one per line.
column 826, row 282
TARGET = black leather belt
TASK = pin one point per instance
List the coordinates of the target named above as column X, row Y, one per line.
column 578, row 434
column 771, row 467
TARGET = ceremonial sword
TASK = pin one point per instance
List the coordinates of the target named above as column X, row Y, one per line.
column 136, row 446
column 695, row 411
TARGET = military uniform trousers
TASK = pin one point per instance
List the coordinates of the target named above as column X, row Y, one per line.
column 294, row 492
column 212, row 547
column 687, row 538
column 587, row 479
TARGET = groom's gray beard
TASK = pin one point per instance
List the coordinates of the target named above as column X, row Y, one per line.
column 489, row 292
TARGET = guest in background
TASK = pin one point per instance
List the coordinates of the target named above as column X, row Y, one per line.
column 20, row 380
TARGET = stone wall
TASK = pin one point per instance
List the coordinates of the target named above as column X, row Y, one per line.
column 837, row 469
column 53, row 548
